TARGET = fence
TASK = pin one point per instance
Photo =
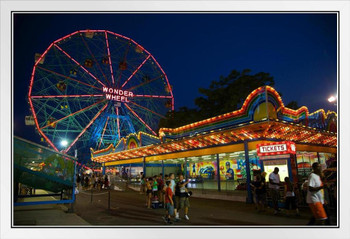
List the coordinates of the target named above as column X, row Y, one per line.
column 101, row 198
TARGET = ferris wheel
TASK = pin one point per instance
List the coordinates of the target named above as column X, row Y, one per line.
column 93, row 87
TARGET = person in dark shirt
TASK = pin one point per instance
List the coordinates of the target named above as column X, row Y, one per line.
column 259, row 186
column 182, row 194
column 160, row 188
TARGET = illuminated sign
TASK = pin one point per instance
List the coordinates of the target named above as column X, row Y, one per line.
column 284, row 147
column 117, row 94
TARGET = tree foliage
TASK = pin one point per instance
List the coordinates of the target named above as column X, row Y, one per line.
column 224, row 95
column 292, row 105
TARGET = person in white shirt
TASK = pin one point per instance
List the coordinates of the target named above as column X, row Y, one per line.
column 315, row 194
column 274, row 186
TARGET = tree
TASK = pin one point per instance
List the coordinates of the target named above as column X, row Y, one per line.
column 178, row 118
column 292, row 105
column 229, row 93
column 223, row 96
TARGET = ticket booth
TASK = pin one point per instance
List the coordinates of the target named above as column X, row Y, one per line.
column 281, row 155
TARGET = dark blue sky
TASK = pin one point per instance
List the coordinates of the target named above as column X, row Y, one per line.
column 298, row 50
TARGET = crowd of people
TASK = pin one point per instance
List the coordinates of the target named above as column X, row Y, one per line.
column 172, row 194
column 92, row 181
column 315, row 189
column 167, row 192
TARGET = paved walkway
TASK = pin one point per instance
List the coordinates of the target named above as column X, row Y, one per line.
column 45, row 215
column 127, row 208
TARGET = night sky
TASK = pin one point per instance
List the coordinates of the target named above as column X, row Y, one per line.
column 298, row 50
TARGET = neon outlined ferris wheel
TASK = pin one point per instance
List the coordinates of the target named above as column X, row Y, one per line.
column 95, row 87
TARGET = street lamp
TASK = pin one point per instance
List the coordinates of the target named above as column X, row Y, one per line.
column 64, row 143
column 332, row 99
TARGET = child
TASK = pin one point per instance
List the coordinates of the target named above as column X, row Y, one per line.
column 168, row 202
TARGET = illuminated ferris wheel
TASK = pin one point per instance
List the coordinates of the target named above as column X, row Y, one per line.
column 93, row 87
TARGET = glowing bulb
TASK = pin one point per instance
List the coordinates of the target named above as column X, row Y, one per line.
column 64, row 143
column 332, row 99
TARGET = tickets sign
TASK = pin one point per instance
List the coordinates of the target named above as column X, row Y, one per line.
column 276, row 148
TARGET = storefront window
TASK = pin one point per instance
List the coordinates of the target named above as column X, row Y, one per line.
column 202, row 172
column 174, row 166
column 305, row 161
column 135, row 172
column 255, row 163
column 153, row 168
column 327, row 160
column 269, row 166
column 232, row 171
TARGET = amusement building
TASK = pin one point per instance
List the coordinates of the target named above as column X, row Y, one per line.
column 261, row 135
column 106, row 101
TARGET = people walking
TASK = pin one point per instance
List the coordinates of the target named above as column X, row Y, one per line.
column 160, row 183
column 260, row 192
column 106, row 182
column 172, row 179
column 169, row 203
column 184, row 203
column 87, row 181
column 315, row 195
column 274, row 186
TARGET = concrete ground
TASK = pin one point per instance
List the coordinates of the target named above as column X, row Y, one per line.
column 44, row 215
column 127, row 208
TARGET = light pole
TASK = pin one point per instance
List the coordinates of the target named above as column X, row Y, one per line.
column 64, row 143
column 333, row 100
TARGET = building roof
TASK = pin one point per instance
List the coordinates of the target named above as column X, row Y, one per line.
column 264, row 130
column 262, row 116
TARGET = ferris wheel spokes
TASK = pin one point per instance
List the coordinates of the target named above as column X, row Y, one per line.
column 118, row 124
column 142, row 107
column 144, row 83
column 93, row 57
column 123, row 64
column 109, row 58
column 72, row 114
column 59, row 48
column 62, row 96
column 67, row 77
column 104, row 130
column 140, row 119
column 94, row 87
column 154, row 96
column 137, row 69
column 83, row 131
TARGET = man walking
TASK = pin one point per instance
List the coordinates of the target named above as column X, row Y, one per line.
column 315, row 194
column 183, row 197
column 172, row 180
column 274, row 186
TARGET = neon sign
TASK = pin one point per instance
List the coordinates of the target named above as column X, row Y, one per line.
column 284, row 147
column 117, row 94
